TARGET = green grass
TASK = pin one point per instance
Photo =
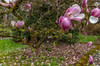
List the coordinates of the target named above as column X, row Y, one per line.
column 86, row 38
column 8, row 45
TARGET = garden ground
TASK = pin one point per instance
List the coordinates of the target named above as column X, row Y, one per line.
column 48, row 55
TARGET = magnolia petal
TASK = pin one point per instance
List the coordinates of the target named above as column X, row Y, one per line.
column 60, row 19
column 5, row 5
column 19, row 24
column 93, row 19
column 65, row 24
column 72, row 11
column 28, row 6
column 95, row 12
column 84, row 3
column 76, row 9
column 22, row 22
column 13, row 23
column 79, row 17
column 10, row 2
column 90, row 59
column 7, row 1
column 90, row 43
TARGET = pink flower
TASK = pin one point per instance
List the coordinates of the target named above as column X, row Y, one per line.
column 72, row 28
column 11, row 2
column 18, row 24
column 84, row 3
column 89, row 43
column 28, row 6
column 29, row 28
column 50, row 37
column 27, row 15
column 47, row 41
column 56, row 21
column 80, row 27
column 16, row 57
column 65, row 24
column 95, row 12
column 84, row 21
column 41, row 5
column 5, row 5
column 87, row 11
column 75, row 25
column 94, row 15
column 60, row 19
column 90, row 59
column 73, row 13
column 87, row 23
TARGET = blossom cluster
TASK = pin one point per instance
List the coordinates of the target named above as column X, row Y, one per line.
column 74, row 13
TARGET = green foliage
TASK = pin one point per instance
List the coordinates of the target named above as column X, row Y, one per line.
column 86, row 38
column 71, row 39
column 49, row 49
column 42, row 18
column 61, row 58
column 8, row 45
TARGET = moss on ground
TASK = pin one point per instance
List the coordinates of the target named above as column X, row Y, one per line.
column 84, row 60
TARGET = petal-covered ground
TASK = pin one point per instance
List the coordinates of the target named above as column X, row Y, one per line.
column 60, row 55
column 96, row 57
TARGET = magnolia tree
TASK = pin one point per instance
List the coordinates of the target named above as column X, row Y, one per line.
column 33, row 22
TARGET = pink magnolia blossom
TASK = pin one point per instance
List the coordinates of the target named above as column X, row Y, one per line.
column 87, row 23
column 47, row 41
column 56, row 21
column 5, row 5
column 29, row 28
column 84, row 3
column 75, row 25
column 41, row 5
column 84, row 21
column 87, row 11
column 73, row 13
column 80, row 27
column 60, row 19
column 72, row 28
column 90, row 43
column 66, row 23
column 90, row 59
column 18, row 24
column 50, row 37
column 27, row 15
column 11, row 2
column 94, row 15
column 82, row 10
column 95, row 12
column 28, row 6
column 16, row 57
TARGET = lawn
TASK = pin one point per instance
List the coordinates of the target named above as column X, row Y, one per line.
column 7, row 45
column 86, row 38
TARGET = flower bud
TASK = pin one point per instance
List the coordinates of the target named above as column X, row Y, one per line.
column 84, row 3
column 65, row 24
column 90, row 59
column 28, row 6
